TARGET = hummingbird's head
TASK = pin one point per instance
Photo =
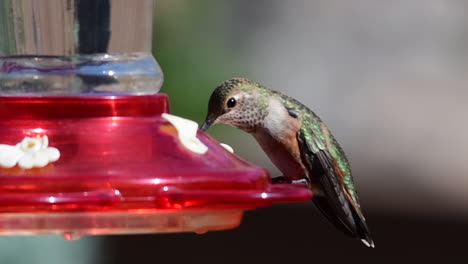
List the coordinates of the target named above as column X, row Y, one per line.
column 237, row 102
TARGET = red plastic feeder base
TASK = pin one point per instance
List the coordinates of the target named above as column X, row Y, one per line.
column 122, row 169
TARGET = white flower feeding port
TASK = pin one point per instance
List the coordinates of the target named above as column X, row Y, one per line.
column 187, row 134
column 31, row 152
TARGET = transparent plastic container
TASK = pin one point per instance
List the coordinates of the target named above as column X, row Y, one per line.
column 71, row 47
column 136, row 74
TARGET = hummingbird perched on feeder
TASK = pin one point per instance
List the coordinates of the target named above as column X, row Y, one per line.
column 298, row 143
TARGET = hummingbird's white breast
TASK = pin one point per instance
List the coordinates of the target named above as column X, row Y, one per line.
column 278, row 138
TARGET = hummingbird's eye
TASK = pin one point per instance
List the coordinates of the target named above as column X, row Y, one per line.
column 231, row 102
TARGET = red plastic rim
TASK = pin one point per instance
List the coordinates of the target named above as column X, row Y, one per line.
column 53, row 107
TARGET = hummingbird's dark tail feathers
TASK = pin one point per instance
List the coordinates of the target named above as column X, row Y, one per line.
column 362, row 230
column 335, row 202
column 355, row 226
column 323, row 205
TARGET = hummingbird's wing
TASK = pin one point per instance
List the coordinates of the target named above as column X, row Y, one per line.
column 327, row 164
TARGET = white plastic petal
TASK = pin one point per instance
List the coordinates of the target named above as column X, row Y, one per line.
column 40, row 159
column 226, row 146
column 53, row 154
column 26, row 162
column 9, row 155
column 187, row 132
column 44, row 142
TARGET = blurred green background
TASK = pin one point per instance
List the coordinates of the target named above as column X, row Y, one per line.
column 196, row 52
column 388, row 77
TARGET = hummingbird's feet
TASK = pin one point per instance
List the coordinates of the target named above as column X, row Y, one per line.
column 301, row 181
column 280, row 179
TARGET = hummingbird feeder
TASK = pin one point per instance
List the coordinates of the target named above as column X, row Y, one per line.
column 87, row 144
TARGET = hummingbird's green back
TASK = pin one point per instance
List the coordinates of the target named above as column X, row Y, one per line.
column 319, row 138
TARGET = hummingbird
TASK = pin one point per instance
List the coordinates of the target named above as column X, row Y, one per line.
column 298, row 143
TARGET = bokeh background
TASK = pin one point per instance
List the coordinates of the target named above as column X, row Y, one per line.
column 390, row 80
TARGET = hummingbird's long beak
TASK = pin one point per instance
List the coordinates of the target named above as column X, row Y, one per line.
column 206, row 125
